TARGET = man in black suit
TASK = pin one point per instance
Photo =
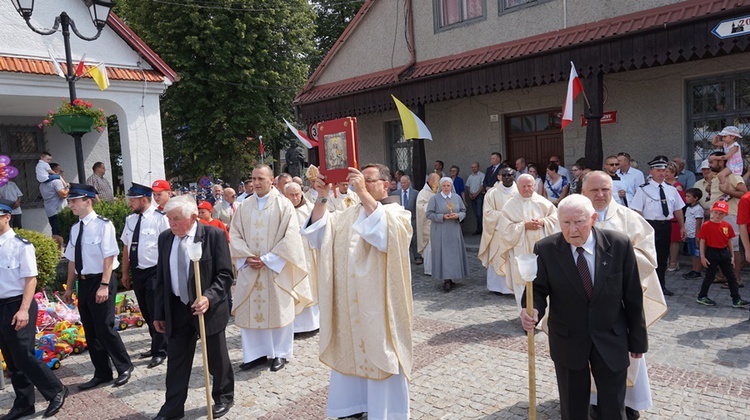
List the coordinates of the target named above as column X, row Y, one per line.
column 492, row 172
column 596, row 309
column 176, row 306
column 408, row 199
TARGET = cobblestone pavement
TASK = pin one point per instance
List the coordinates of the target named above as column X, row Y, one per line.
column 470, row 363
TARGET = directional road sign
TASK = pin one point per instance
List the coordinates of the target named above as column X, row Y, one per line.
column 732, row 27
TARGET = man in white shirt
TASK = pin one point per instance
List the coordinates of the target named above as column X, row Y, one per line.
column 632, row 177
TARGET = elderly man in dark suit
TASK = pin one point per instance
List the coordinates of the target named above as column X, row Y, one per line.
column 176, row 306
column 596, row 309
column 408, row 199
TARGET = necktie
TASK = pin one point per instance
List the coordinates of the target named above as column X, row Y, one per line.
column 133, row 254
column 182, row 270
column 583, row 271
column 406, row 199
column 663, row 199
column 79, row 249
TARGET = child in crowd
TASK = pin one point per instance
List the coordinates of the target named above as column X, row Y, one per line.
column 728, row 139
column 716, row 252
column 43, row 171
column 693, row 222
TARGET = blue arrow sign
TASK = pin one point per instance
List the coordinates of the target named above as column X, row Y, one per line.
column 732, row 27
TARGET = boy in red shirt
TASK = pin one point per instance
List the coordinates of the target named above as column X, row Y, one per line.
column 716, row 252
column 204, row 216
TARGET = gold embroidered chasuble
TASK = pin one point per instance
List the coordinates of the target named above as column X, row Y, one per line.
column 264, row 299
column 365, row 296
column 311, row 255
column 514, row 238
column 489, row 246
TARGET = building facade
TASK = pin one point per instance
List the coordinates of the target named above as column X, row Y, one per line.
column 30, row 86
column 491, row 75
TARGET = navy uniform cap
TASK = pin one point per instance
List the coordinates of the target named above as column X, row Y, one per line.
column 138, row 190
column 81, row 190
column 6, row 206
column 659, row 162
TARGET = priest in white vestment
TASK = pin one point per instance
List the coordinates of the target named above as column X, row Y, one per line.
column 341, row 198
column 309, row 319
column 524, row 220
column 364, row 290
column 423, row 223
column 494, row 201
column 271, row 267
column 597, row 186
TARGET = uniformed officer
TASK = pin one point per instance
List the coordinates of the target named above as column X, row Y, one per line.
column 139, row 256
column 92, row 254
column 18, row 311
column 659, row 202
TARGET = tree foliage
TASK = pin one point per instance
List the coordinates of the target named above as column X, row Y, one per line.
column 333, row 16
column 240, row 63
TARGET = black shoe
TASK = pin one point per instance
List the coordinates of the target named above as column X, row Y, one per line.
column 124, row 377
column 278, row 364
column 632, row 414
column 93, row 383
column 220, row 409
column 156, row 361
column 146, row 355
column 448, row 285
column 257, row 362
column 18, row 412
column 667, row 292
column 160, row 417
column 418, row 261
column 56, row 403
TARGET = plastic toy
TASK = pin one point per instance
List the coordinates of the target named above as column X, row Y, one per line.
column 128, row 320
column 71, row 336
column 50, row 344
column 49, row 359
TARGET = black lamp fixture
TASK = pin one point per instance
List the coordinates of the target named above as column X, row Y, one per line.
column 99, row 11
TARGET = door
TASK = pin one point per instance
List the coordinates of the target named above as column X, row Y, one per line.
column 535, row 137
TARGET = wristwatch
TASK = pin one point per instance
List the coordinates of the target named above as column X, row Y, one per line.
column 322, row 200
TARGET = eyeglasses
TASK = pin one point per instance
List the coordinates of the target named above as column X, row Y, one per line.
column 613, row 164
column 554, row 161
column 370, row 181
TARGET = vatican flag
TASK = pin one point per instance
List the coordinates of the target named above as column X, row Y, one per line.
column 99, row 74
column 414, row 128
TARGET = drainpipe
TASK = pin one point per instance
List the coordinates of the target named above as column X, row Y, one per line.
column 410, row 32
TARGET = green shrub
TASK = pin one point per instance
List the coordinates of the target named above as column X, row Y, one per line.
column 47, row 257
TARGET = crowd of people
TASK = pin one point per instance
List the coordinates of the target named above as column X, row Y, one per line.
column 284, row 258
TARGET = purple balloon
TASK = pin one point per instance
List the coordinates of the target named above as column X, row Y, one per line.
column 4, row 159
column 11, row 171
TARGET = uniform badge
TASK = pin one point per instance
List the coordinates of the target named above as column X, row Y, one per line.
column 725, row 230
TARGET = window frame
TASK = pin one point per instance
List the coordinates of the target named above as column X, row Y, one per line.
column 437, row 4
column 501, row 9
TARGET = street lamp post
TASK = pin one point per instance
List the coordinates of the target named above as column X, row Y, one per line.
column 99, row 10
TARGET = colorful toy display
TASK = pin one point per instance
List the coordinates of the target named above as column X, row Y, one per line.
column 50, row 344
column 49, row 359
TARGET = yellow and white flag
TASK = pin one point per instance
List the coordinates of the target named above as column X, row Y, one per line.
column 99, row 74
column 414, row 128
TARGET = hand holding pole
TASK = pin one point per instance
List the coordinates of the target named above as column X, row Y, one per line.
column 527, row 268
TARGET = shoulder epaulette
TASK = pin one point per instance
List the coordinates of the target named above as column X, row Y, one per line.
column 102, row 217
column 643, row 185
column 22, row 239
column 160, row 211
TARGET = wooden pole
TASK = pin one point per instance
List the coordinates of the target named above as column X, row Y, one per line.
column 530, row 337
column 204, row 347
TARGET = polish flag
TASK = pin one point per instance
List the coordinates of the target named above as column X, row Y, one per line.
column 80, row 68
column 574, row 88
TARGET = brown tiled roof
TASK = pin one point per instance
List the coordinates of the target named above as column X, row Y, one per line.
column 577, row 35
column 45, row 67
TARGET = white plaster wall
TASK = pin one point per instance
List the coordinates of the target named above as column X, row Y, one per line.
column 381, row 33
column 17, row 39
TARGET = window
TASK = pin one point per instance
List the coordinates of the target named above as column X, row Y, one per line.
column 512, row 5
column 401, row 150
column 455, row 12
column 23, row 144
column 714, row 103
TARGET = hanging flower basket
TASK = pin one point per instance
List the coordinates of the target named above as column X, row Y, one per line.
column 74, row 123
column 77, row 117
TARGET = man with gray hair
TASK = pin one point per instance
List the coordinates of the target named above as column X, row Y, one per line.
column 524, row 220
column 494, row 201
column 590, row 277
column 176, row 306
column 685, row 177
column 598, row 187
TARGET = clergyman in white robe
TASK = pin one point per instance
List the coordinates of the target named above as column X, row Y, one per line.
column 489, row 246
column 423, row 223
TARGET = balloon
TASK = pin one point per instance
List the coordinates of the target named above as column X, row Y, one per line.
column 11, row 171
column 4, row 159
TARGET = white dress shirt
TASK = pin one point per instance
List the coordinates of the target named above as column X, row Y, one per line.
column 152, row 224
column 590, row 247
column 17, row 262
column 99, row 242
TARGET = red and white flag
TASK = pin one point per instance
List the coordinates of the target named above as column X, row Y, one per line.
column 299, row 134
column 80, row 69
column 574, row 88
